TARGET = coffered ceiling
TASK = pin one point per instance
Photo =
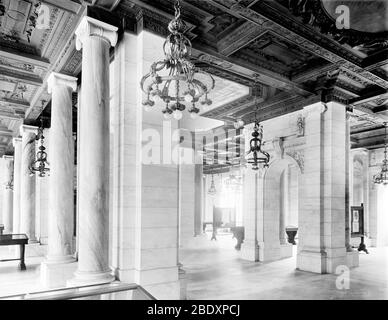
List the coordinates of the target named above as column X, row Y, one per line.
column 285, row 53
column 33, row 35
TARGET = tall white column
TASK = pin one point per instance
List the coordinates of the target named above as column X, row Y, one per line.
column 284, row 206
column 8, row 194
column 95, row 38
column 322, row 241
column 61, row 197
column 27, row 183
column 17, row 144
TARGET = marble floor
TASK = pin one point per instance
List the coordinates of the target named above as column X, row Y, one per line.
column 216, row 271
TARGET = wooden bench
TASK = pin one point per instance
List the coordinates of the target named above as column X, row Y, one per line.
column 15, row 240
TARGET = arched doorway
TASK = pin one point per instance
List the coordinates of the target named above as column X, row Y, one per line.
column 281, row 201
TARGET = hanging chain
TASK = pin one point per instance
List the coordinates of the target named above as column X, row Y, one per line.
column 177, row 8
column 385, row 139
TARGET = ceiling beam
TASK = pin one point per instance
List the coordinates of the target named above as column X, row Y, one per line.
column 5, row 132
column 69, row 6
column 21, row 76
column 239, row 38
column 370, row 144
column 24, row 57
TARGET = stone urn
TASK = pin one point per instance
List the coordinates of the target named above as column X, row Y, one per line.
column 291, row 232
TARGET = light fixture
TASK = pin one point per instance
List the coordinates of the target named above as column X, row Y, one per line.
column 175, row 81
column 212, row 190
column 40, row 165
column 239, row 124
column 382, row 177
column 258, row 156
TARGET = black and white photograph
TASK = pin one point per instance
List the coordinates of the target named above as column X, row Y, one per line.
column 189, row 155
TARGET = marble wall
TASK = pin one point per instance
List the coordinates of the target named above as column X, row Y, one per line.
column 145, row 196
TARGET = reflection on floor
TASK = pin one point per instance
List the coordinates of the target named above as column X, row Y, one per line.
column 215, row 271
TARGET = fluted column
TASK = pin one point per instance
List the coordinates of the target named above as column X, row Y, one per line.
column 8, row 194
column 61, row 157
column 17, row 144
column 27, row 183
column 95, row 38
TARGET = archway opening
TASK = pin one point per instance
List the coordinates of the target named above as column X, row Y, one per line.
column 281, row 209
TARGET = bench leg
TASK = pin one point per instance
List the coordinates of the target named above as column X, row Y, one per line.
column 22, row 265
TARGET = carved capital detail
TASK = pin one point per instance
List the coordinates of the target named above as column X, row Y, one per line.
column 92, row 27
column 57, row 79
column 298, row 156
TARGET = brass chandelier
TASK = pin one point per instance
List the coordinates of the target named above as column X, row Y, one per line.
column 382, row 177
column 175, row 81
column 40, row 165
column 259, row 157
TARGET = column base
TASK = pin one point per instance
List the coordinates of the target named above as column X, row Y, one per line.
column 56, row 275
column 60, row 259
column 90, row 278
column 352, row 259
column 250, row 251
column 321, row 262
column 183, row 284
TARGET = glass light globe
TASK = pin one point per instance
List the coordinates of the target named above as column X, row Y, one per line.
column 178, row 115
column 167, row 116
column 188, row 98
column 194, row 115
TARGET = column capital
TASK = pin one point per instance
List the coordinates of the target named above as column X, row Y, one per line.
column 28, row 129
column 57, row 79
column 16, row 140
column 316, row 107
column 93, row 27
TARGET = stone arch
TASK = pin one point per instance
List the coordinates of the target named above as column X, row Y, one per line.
column 274, row 239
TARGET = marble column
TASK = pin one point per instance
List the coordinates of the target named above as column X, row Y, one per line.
column 198, row 180
column 348, row 186
column 95, row 38
column 8, row 194
column 27, row 183
column 17, row 144
column 284, row 206
column 61, row 194
column 322, row 241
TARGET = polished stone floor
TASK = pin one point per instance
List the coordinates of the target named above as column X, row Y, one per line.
column 215, row 271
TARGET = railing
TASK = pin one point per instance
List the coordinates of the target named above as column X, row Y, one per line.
column 111, row 291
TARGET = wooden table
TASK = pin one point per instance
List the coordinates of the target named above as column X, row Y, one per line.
column 15, row 240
